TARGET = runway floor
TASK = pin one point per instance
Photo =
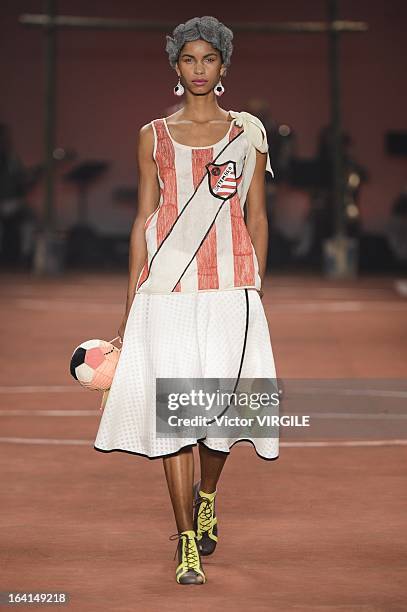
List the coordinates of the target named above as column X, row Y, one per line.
column 322, row 528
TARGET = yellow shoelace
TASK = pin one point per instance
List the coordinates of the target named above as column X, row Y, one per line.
column 190, row 555
column 205, row 513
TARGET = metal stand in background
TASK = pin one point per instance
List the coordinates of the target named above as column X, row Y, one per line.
column 83, row 244
column 341, row 257
column 82, row 176
column 49, row 255
column 49, row 246
column 340, row 252
column 50, row 22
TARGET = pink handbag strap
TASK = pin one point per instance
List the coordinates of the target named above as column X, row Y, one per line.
column 111, row 341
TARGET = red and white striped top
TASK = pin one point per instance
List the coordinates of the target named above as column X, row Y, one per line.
column 197, row 239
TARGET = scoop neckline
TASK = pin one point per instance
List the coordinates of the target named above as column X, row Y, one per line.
column 184, row 146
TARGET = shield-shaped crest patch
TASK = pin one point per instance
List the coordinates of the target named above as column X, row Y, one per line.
column 222, row 179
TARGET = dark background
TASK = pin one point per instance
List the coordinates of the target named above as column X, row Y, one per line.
column 111, row 83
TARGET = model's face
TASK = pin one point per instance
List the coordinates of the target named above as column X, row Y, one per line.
column 199, row 60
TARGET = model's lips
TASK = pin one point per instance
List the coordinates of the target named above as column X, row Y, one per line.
column 200, row 82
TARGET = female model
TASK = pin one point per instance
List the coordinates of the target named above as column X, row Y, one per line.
column 196, row 267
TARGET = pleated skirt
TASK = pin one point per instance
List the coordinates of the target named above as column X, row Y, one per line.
column 184, row 335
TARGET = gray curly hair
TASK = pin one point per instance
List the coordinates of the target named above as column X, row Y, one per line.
column 207, row 28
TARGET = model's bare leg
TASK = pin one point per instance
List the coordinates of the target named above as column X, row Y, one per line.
column 179, row 471
column 212, row 463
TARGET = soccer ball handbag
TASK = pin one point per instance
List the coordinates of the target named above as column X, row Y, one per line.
column 93, row 364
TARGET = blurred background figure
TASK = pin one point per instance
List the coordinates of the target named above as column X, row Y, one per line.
column 279, row 137
column 396, row 230
column 321, row 219
column 17, row 218
column 283, row 218
column 300, row 197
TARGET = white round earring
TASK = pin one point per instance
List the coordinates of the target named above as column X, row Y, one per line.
column 219, row 89
column 179, row 88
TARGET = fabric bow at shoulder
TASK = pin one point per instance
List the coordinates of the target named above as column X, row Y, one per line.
column 255, row 133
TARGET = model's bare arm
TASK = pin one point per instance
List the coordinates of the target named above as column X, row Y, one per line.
column 148, row 200
column 256, row 221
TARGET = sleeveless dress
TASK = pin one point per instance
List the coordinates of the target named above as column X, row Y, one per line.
column 196, row 312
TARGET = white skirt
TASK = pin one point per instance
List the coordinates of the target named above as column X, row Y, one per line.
column 183, row 335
